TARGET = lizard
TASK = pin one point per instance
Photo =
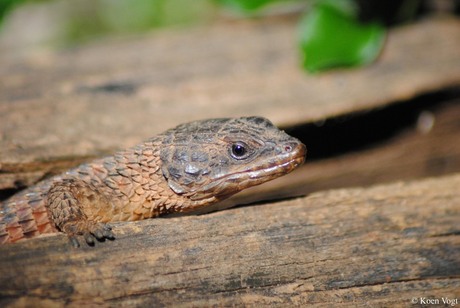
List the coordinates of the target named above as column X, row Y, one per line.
column 184, row 168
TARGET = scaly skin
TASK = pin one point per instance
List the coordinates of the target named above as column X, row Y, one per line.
column 187, row 167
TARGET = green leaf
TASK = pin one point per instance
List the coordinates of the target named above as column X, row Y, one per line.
column 331, row 36
column 6, row 6
column 245, row 6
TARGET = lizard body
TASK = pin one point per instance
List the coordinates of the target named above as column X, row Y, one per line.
column 187, row 167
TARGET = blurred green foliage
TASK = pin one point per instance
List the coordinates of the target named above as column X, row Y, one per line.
column 82, row 20
column 332, row 33
column 246, row 6
column 6, row 6
column 100, row 17
column 331, row 36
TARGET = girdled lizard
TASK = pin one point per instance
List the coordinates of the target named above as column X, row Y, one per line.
column 190, row 166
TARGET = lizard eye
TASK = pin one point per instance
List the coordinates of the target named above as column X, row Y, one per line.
column 239, row 150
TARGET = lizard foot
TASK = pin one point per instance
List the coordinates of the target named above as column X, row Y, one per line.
column 90, row 231
column 67, row 201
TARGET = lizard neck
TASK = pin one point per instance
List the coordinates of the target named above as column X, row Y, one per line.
column 141, row 190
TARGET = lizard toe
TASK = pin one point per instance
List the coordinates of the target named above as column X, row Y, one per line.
column 109, row 234
column 99, row 234
column 89, row 239
column 74, row 241
column 101, row 231
column 90, row 230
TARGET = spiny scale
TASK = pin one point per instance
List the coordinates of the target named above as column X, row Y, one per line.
column 184, row 168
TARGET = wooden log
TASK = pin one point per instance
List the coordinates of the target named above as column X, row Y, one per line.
column 382, row 246
column 409, row 154
column 379, row 246
column 59, row 108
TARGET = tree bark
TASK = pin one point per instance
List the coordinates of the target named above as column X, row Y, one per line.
column 380, row 246
column 58, row 109
column 384, row 245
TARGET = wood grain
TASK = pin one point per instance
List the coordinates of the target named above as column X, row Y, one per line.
column 64, row 106
column 379, row 246
column 407, row 155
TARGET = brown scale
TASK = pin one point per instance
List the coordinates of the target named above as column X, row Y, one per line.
column 190, row 166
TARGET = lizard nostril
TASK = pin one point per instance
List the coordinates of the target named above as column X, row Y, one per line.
column 289, row 147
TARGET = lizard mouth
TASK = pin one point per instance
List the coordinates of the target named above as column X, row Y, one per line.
column 271, row 170
column 267, row 170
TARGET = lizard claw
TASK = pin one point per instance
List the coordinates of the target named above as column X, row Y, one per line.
column 90, row 231
column 89, row 239
column 74, row 241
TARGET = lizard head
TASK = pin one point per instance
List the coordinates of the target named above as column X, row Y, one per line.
column 214, row 159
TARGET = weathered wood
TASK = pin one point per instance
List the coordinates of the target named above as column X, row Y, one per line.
column 408, row 155
column 378, row 246
column 64, row 106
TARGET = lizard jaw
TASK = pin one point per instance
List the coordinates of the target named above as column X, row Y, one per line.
column 233, row 183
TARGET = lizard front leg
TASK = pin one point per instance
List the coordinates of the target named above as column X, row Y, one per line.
column 72, row 204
